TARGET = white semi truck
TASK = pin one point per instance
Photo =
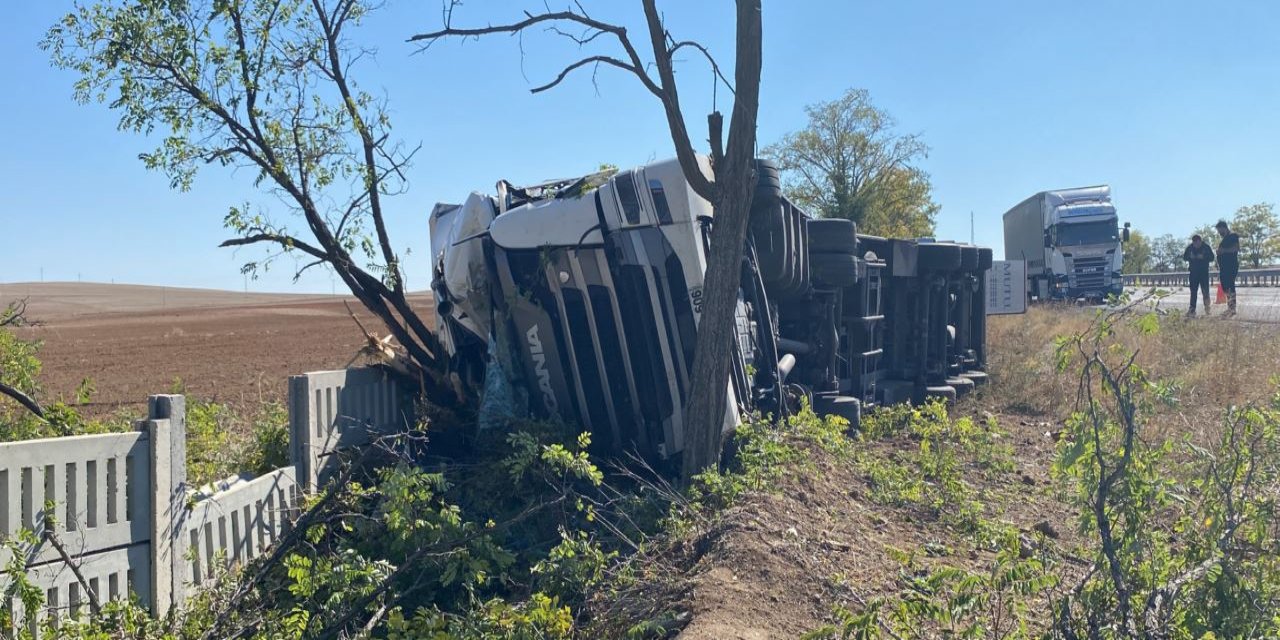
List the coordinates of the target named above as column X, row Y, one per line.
column 1071, row 241
column 579, row 300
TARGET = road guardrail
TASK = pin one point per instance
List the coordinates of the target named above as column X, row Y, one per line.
column 1246, row 278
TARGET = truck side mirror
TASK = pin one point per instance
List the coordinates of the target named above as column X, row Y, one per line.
column 1124, row 233
column 1048, row 240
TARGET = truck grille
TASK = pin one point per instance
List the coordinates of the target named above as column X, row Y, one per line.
column 1090, row 274
column 625, row 330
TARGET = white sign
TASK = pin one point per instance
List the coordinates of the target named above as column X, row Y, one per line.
column 1007, row 287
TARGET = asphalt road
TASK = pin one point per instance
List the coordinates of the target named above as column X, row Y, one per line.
column 1257, row 304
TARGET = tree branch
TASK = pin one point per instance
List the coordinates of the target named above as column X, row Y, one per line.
column 582, row 63
column 94, row 604
column 23, row 399
column 286, row 241
column 670, row 97
column 332, row 27
column 15, row 314
column 715, row 68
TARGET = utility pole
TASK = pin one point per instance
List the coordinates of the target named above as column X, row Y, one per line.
column 970, row 227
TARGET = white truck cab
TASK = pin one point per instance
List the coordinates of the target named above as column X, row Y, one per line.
column 1071, row 241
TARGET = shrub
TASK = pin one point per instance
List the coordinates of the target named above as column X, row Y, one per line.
column 929, row 471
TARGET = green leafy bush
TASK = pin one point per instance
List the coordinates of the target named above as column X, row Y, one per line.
column 929, row 471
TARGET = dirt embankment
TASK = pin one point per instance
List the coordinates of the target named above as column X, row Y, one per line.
column 132, row 341
column 777, row 563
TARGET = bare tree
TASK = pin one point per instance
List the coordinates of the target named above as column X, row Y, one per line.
column 264, row 85
column 729, row 189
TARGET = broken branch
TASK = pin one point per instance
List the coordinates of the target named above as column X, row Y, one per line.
column 94, row 605
column 14, row 315
column 23, row 399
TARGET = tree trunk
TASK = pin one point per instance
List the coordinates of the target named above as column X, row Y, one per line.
column 705, row 414
column 735, row 185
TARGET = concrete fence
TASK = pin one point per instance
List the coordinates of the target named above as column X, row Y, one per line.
column 334, row 410
column 119, row 507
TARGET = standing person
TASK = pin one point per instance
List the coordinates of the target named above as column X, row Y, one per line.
column 1198, row 256
column 1228, row 263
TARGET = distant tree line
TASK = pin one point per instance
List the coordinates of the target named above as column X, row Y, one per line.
column 1257, row 224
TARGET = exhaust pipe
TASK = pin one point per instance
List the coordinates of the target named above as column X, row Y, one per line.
column 794, row 346
column 785, row 364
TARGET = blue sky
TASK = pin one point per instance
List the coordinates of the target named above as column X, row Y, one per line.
column 1175, row 104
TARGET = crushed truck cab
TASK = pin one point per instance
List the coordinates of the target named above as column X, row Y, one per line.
column 579, row 300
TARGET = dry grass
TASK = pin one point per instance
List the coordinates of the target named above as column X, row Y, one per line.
column 1214, row 363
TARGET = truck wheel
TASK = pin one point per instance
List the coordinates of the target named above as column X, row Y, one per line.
column 894, row 391
column 834, row 269
column 766, row 206
column 832, row 235
column 961, row 384
column 985, row 258
column 939, row 256
column 768, row 183
column 979, row 378
column 969, row 258
column 944, row 392
column 846, row 407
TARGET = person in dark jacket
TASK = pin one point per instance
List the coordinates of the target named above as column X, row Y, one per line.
column 1228, row 263
column 1198, row 256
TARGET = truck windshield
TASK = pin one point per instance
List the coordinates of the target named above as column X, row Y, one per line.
column 1076, row 233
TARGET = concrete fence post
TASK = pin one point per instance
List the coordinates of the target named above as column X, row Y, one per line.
column 167, row 427
column 303, row 448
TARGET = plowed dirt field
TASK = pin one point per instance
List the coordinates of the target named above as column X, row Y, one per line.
column 230, row 347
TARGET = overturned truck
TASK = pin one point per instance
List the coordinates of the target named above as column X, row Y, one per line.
column 579, row 300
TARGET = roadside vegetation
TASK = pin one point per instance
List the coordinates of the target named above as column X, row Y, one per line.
column 1117, row 480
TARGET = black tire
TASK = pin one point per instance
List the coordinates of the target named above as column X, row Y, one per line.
column 945, row 392
column 767, row 219
column 766, row 206
column 969, row 258
column 833, row 235
column 985, row 258
column 939, row 256
column 846, row 407
column 961, row 384
column 834, row 269
column 768, row 183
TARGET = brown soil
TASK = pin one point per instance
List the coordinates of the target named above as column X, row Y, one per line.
column 779, row 562
column 224, row 346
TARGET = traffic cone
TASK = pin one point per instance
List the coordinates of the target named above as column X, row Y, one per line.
column 1222, row 294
